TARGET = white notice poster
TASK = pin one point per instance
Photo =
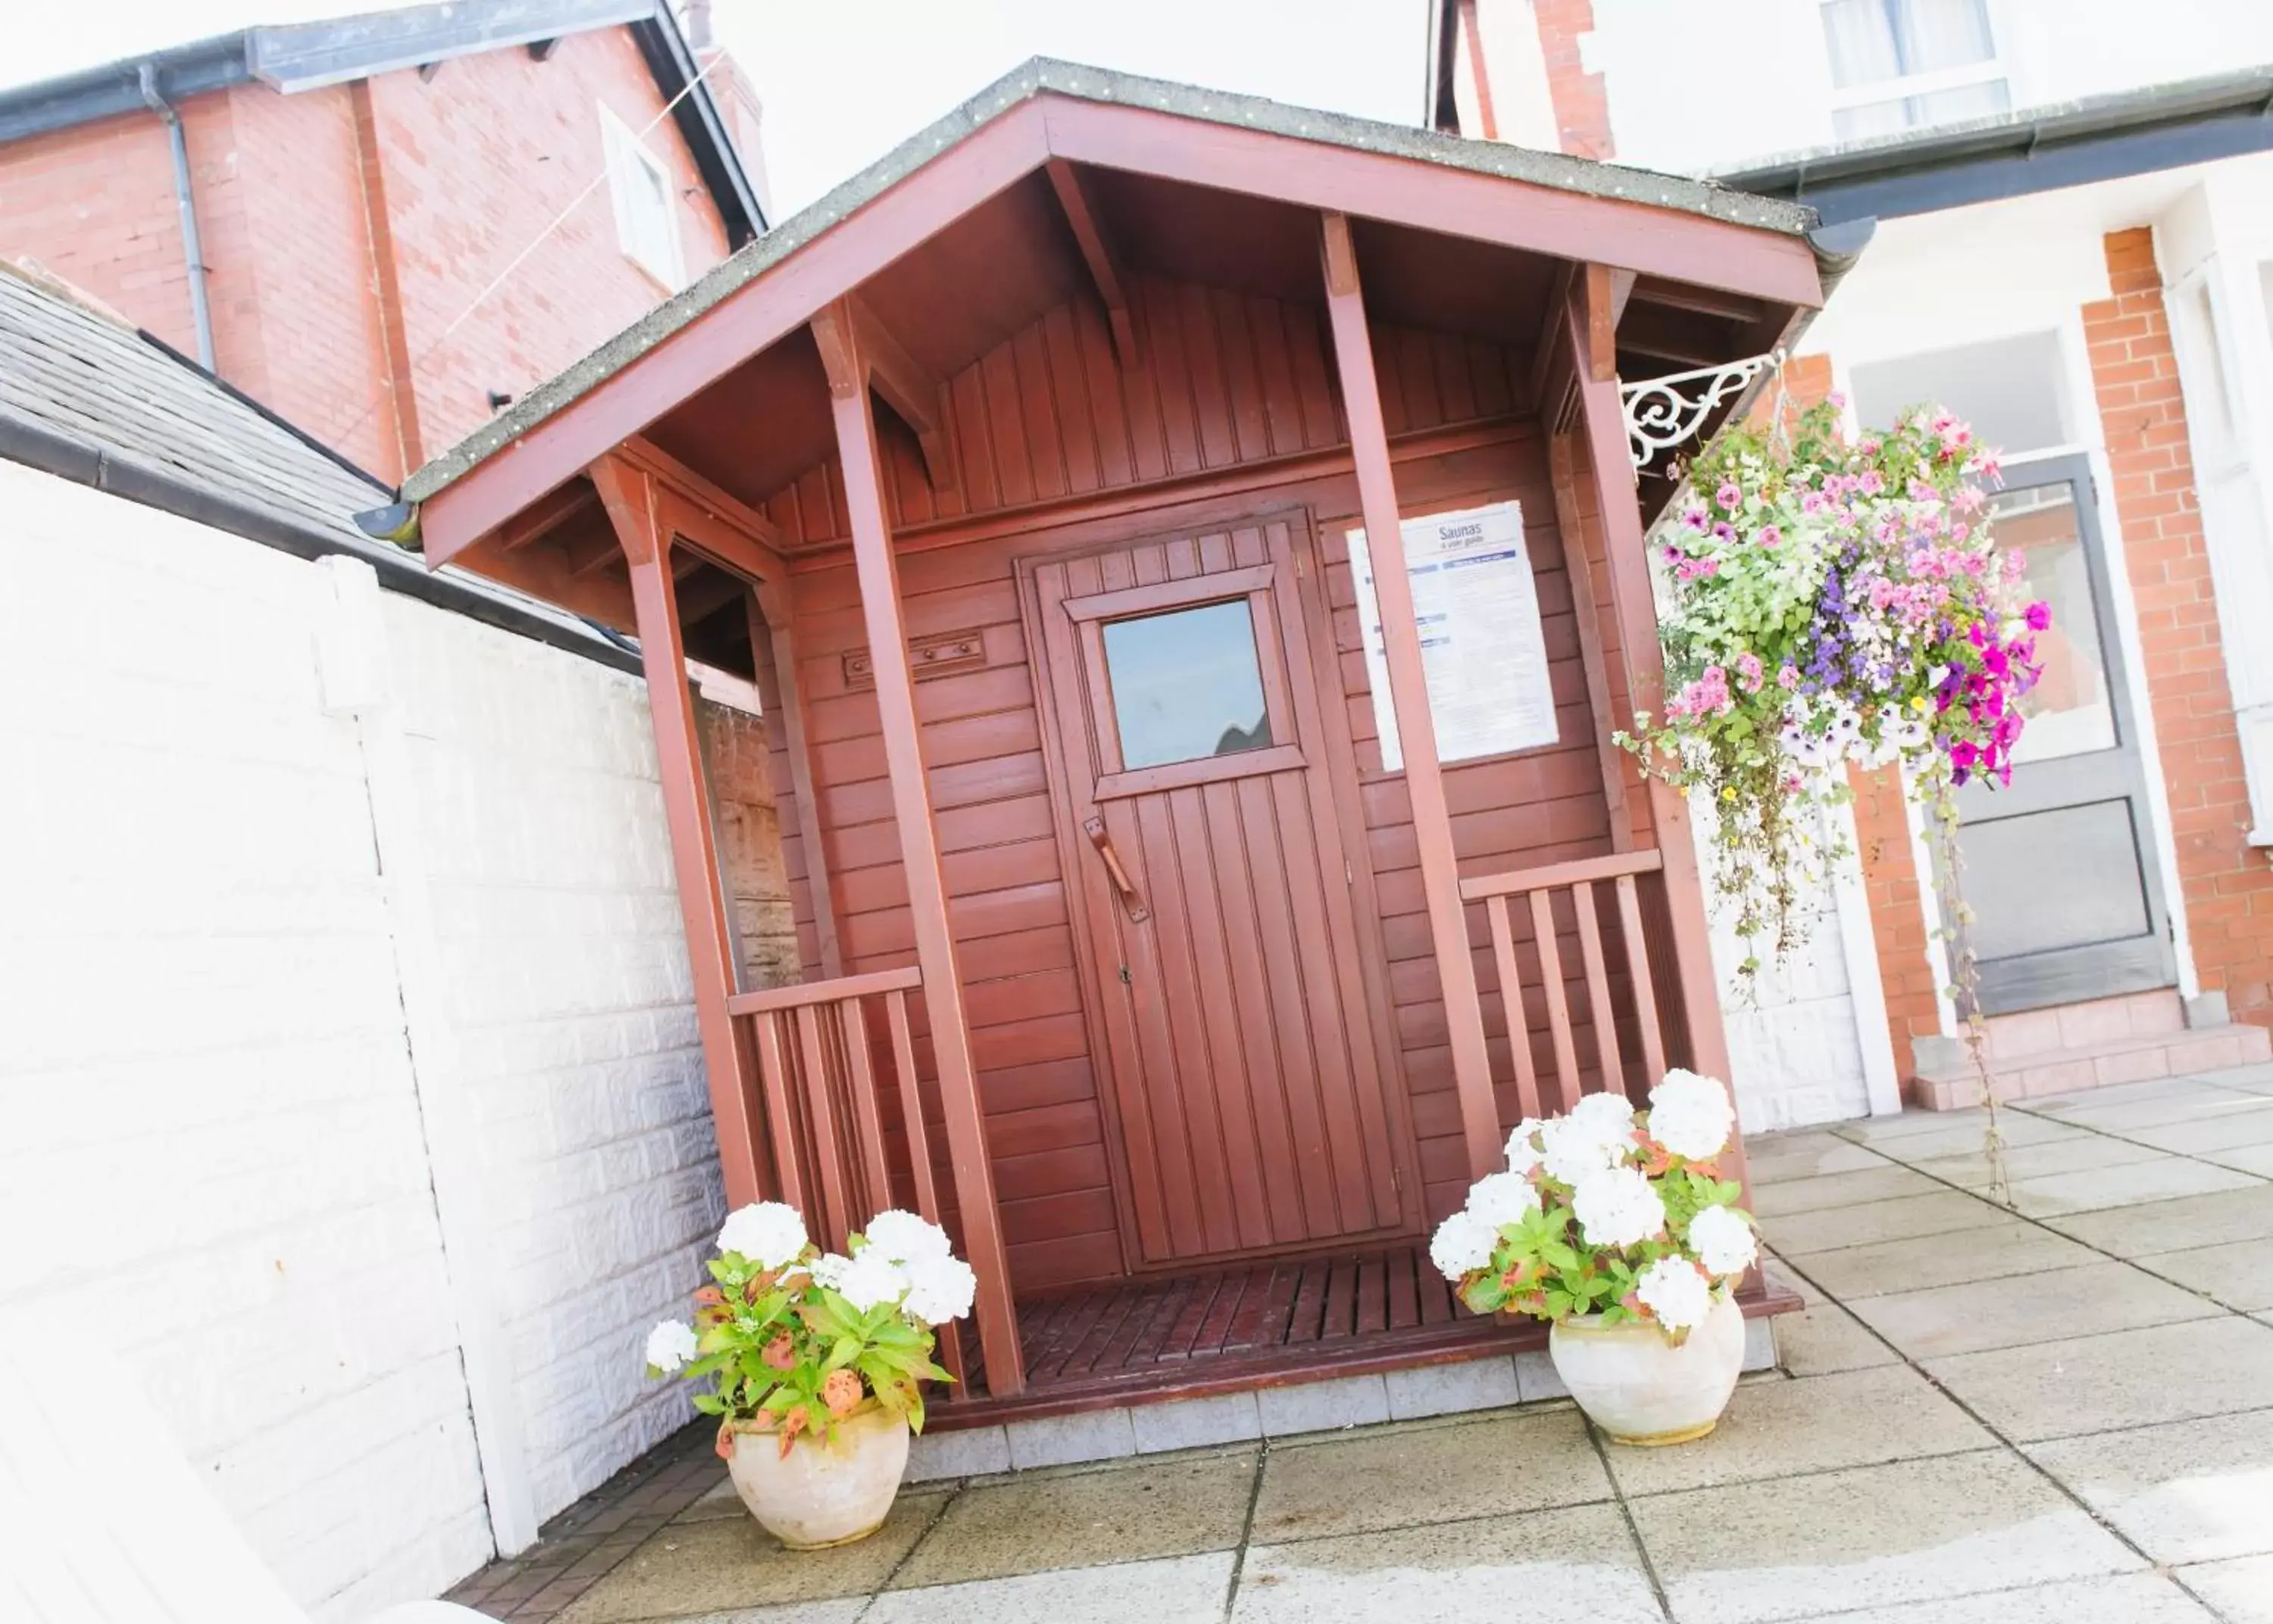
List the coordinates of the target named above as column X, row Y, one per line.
column 1478, row 612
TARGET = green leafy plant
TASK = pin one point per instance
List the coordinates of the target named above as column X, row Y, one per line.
column 794, row 1340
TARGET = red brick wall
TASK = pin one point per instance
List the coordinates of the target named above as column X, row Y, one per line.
column 1582, row 105
column 2227, row 885
column 95, row 205
column 477, row 162
column 472, row 166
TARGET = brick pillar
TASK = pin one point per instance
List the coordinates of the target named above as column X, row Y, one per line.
column 2227, row 885
column 1582, row 105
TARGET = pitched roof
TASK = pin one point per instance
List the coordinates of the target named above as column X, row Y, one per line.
column 86, row 398
column 308, row 55
column 1043, row 76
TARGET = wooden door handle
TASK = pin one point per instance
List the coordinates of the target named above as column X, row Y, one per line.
column 1134, row 904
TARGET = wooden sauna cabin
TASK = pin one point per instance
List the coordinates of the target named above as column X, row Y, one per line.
column 1161, row 933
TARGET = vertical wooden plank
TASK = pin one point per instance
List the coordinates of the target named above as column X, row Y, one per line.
column 1558, row 1003
column 628, row 494
column 1210, row 393
column 1511, row 998
column 935, row 951
column 1039, row 409
column 781, row 1119
column 1571, row 531
column 821, row 1107
column 1076, row 420
column 1108, row 404
column 1448, row 925
column 1250, row 437
column 867, row 1115
column 1171, row 367
column 1282, row 401
column 1598, row 988
column 1652, row 1031
column 911, row 1105
column 1603, row 421
column 1006, row 425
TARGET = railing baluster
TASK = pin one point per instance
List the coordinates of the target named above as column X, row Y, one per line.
column 904, row 1062
column 835, row 1203
column 1653, row 1036
column 1558, row 1003
column 1598, row 988
column 861, row 1068
column 781, row 1123
column 1511, row 998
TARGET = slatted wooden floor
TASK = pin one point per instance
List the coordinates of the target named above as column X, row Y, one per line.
column 1225, row 1329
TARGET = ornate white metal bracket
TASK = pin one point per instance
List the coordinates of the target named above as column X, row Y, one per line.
column 1667, row 412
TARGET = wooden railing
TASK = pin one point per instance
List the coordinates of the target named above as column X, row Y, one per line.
column 817, row 1074
column 1637, row 1010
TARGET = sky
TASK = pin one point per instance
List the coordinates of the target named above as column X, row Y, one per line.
column 845, row 80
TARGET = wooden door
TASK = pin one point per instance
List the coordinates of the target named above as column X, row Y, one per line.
column 1212, row 881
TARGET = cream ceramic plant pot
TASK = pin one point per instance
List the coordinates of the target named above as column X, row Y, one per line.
column 1638, row 1388
column 820, row 1493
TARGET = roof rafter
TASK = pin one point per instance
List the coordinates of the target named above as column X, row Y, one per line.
column 1091, row 236
column 851, row 334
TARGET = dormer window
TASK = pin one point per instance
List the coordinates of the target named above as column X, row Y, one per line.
column 647, row 223
column 1905, row 65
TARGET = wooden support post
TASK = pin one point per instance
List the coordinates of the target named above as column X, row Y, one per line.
column 942, row 980
column 632, row 501
column 1602, row 424
column 1098, row 254
column 1409, row 691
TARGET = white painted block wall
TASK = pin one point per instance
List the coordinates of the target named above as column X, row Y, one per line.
column 213, row 1156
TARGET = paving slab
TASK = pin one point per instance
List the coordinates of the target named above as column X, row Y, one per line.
column 1808, row 1155
column 2187, row 1492
column 2255, row 1078
column 2257, row 1159
column 2123, row 1379
column 729, row 1562
column 2198, row 1103
column 2125, row 1599
column 1848, row 1189
column 2175, row 1225
column 1131, row 1512
column 2237, row 1274
column 2226, row 1131
column 1803, row 1234
column 2076, row 1154
column 1187, row 1589
column 1397, row 1476
column 2119, row 1600
column 1944, row 1133
column 1824, row 1338
column 1775, row 1429
column 2053, row 1306
column 2131, row 1185
column 2008, row 1246
column 1831, row 1542
column 1539, row 1568
column 2241, row 1590
column 2120, row 1094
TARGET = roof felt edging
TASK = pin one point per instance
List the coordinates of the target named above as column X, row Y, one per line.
column 1043, row 75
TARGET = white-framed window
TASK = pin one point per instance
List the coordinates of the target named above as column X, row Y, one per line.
column 646, row 218
column 1904, row 64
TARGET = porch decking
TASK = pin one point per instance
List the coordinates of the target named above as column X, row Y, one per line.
column 1247, row 1325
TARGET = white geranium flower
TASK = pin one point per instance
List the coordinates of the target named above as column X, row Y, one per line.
column 768, row 1233
column 1617, row 1207
column 1463, row 1244
column 904, row 1238
column 1502, row 1199
column 942, row 1289
column 1691, row 1115
column 1673, row 1291
column 1522, row 1146
column 670, row 1345
column 871, row 1278
column 1722, row 1241
column 1593, row 1136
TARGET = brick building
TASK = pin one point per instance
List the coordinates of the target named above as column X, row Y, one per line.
column 361, row 192
column 2074, row 248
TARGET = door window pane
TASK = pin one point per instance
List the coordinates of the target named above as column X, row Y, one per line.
column 2070, row 710
column 1873, row 39
column 2008, row 389
column 1185, row 685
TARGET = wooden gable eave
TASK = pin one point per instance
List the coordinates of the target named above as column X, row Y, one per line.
column 1752, row 261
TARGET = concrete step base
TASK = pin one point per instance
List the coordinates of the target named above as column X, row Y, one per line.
column 2133, row 1039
